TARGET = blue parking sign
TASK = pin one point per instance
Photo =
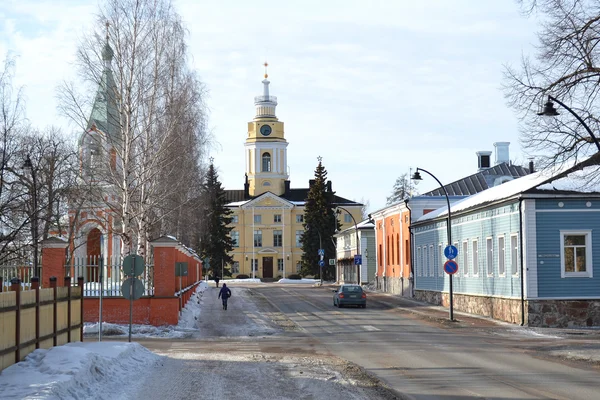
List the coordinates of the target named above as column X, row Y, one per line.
column 358, row 259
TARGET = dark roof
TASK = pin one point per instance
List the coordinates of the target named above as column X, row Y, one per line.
column 480, row 181
column 293, row 195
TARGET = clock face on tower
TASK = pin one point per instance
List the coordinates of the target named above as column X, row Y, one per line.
column 265, row 130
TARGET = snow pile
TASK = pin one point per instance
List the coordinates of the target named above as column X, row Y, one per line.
column 77, row 371
column 576, row 181
column 302, row 281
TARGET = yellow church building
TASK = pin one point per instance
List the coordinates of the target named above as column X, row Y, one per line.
column 268, row 215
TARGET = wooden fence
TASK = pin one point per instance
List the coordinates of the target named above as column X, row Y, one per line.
column 38, row 318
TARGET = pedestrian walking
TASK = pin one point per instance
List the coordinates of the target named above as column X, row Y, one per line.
column 217, row 279
column 224, row 294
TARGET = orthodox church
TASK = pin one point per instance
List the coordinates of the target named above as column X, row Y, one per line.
column 268, row 215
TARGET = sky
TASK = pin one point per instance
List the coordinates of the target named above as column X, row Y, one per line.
column 375, row 90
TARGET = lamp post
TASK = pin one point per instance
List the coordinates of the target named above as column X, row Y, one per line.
column 550, row 111
column 417, row 177
column 357, row 242
column 28, row 166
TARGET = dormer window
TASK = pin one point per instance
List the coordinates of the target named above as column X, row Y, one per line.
column 266, row 162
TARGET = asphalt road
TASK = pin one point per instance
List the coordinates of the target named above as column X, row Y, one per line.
column 428, row 359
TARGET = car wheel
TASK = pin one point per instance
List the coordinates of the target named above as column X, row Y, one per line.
column 364, row 306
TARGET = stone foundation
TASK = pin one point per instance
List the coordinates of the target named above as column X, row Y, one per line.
column 397, row 286
column 564, row 313
column 538, row 313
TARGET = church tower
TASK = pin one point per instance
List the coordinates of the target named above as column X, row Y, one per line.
column 266, row 147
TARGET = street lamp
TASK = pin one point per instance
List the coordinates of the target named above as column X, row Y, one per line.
column 28, row 166
column 357, row 242
column 417, row 177
column 550, row 111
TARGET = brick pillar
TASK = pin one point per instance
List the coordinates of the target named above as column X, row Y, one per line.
column 165, row 256
column 53, row 259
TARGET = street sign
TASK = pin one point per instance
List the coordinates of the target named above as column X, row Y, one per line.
column 321, row 252
column 332, row 261
column 451, row 267
column 132, row 293
column 133, row 265
column 321, row 263
column 357, row 259
column 451, row 252
column 206, row 263
column 181, row 269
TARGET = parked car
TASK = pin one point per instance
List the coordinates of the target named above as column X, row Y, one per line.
column 349, row 295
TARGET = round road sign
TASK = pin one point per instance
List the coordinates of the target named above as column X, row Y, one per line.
column 451, row 267
column 133, row 265
column 132, row 288
column 451, row 252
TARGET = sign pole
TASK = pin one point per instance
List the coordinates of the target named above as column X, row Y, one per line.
column 131, row 301
column 100, row 298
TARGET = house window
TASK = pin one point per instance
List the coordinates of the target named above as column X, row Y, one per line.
column 419, row 261
column 266, row 162
column 576, row 253
column 280, row 264
column 235, row 268
column 258, row 238
column 431, row 261
column 501, row 256
column 489, row 255
column 277, row 238
column 257, row 219
column 441, row 253
column 298, row 237
column 514, row 254
column 235, row 238
column 277, row 218
column 234, row 219
column 255, row 264
column 300, row 218
column 465, row 257
column 475, row 258
column 347, row 218
column 298, row 267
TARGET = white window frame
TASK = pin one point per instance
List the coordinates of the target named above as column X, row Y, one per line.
column 298, row 238
column 475, row 256
column 502, row 256
column 465, row 257
column 234, row 219
column 588, row 273
column 257, row 218
column 255, row 265
column 347, row 218
column 235, row 268
column 298, row 266
column 514, row 254
column 419, row 261
column 235, row 237
column 431, row 261
column 441, row 253
column 277, row 234
column 299, row 218
column 266, row 162
column 258, row 239
column 489, row 256
column 280, row 264
column 277, row 218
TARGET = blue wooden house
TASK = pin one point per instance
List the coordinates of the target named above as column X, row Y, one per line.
column 525, row 250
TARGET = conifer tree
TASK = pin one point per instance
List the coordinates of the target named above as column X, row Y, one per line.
column 216, row 242
column 320, row 224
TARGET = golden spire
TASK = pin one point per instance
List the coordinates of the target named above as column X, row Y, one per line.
column 107, row 25
column 266, row 64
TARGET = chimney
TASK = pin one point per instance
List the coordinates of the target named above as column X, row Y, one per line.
column 531, row 170
column 329, row 186
column 501, row 152
column 483, row 160
column 288, row 191
column 246, row 188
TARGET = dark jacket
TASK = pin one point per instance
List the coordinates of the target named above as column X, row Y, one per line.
column 224, row 292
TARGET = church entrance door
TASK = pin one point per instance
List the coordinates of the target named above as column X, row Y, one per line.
column 267, row 267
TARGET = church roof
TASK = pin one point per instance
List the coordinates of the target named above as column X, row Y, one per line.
column 294, row 195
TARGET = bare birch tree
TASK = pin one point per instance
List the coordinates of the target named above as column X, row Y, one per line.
column 566, row 65
column 158, row 116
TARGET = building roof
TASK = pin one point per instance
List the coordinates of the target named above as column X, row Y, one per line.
column 481, row 180
column 296, row 196
column 564, row 180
